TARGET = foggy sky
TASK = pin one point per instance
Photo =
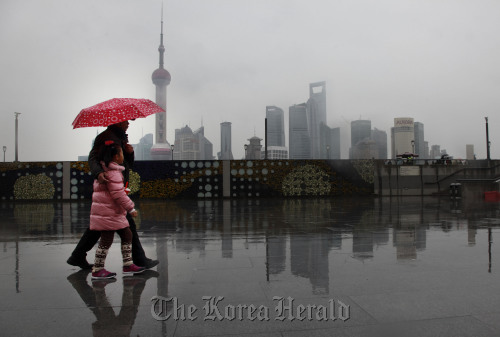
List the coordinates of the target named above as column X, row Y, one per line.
column 433, row 60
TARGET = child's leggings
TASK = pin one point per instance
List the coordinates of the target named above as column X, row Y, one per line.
column 106, row 241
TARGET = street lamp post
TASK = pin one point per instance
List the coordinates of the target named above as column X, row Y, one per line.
column 16, row 114
column 4, row 149
column 413, row 147
column 246, row 148
column 328, row 152
column 487, row 140
column 172, row 150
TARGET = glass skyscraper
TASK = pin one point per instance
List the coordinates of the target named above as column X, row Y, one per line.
column 298, row 135
column 275, row 126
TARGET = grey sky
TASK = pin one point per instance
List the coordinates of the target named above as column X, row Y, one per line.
column 433, row 60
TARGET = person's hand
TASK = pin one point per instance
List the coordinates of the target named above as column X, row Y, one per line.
column 133, row 214
column 129, row 148
column 102, row 178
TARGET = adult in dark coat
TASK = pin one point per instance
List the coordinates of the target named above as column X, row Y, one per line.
column 116, row 133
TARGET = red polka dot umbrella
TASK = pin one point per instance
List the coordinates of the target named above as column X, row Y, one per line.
column 114, row 111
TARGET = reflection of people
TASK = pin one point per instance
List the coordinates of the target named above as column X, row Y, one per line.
column 108, row 323
column 110, row 205
column 117, row 133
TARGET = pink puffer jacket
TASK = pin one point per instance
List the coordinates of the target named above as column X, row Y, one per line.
column 110, row 203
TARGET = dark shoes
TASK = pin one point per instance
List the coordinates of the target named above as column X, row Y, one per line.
column 79, row 262
column 148, row 263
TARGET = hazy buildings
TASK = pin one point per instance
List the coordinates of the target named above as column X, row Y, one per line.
column 316, row 114
column 469, row 152
column 191, row 145
column 360, row 130
column 361, row 143
column 225, row 142
column 275, row 126
column 142, row 150
column 365, row 149
column 380, row 138
column 298, row 135
column 402, row 136
column 161, row 78
column 329, row 142
column 419, row 144
column 276, row 148
column 435, row 152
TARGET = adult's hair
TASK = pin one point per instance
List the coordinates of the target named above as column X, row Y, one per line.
column 107, row 151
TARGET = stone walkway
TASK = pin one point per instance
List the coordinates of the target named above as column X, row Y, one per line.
column 292, row 267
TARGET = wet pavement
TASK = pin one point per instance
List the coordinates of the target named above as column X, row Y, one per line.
column 258, row 267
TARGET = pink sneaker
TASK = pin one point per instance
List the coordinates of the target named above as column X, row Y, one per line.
column 132, row 269
column 102, row 275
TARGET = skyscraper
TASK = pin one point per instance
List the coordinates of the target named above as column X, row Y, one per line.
column 275, row 126
column 316, row 114
column 361, row 131
column 161, row 78
column 435, row 152
column 402, row 136
column 469, row 152
column 329, row 142
column 225, row 141
column 298, row 135
column 419, row 140
column 380, row 138
column 191, row 145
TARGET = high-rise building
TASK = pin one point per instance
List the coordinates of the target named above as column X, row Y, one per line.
column 225, row 142
column 329, row 142
column 142, row 150
column 161, row 78
column 275, row 126
column 419, row 140
column 361, row 131
column 380, row 138
column 365, row 149
column 469, row 152
column 191, row 145
column 298, row 135
column 402, row 136
column 316, row 114
column 435, row 152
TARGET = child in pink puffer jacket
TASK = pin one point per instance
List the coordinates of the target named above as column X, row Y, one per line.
column 110, row 204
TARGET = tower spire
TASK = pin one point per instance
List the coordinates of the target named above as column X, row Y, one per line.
column 161, row 78
column 161, row 48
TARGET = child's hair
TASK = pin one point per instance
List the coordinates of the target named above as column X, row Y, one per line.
column 108, row 151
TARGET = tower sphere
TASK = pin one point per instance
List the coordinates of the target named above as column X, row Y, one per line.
column 161, row 77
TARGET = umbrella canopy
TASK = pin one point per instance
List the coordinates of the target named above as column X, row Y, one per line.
column 114, row 111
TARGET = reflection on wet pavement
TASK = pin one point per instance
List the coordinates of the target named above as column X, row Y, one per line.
column 347, row 267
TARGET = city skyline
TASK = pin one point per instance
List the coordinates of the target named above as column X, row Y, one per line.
column 433, row 62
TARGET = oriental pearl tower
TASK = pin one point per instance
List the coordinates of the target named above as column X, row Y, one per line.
column 161, row 78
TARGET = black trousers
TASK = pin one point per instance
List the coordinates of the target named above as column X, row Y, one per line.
column 90, row 238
